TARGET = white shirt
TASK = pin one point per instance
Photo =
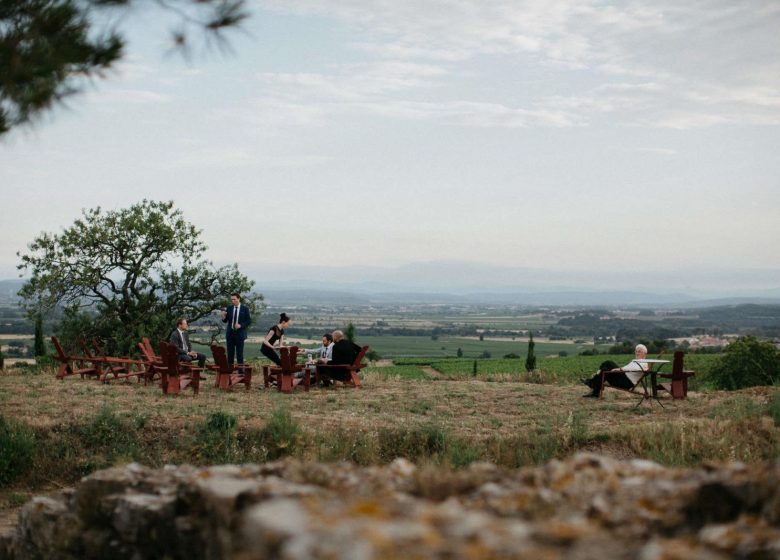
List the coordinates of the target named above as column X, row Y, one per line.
column 635, row 369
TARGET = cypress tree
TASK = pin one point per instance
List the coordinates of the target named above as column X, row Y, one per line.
column 530, row 360
column 40, row 347
column 349, row 333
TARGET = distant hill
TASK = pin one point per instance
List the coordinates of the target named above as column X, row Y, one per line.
column 9, row 289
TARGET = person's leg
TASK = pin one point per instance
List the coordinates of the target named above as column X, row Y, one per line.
column 201, row 360
column 231, row 349
column 186, row 358
column 619, row 380
column 240, row 350
column 271, row 355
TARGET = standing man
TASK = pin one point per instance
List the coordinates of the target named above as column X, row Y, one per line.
column 181, row 340
column 237, row 318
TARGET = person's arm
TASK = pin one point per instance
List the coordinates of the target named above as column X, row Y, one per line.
column 247, row 318
column 268, row 338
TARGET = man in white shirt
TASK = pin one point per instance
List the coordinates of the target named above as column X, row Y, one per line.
column 622, row 377
column 181, row 340
column 321, row 355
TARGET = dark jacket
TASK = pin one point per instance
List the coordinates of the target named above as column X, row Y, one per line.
column 243, row 319
column 344, row 352
column 176, row 340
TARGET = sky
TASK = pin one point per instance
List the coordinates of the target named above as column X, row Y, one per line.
column 564, row 137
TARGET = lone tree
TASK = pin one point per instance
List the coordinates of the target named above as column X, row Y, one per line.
column 122, row 274
column 530, row 359
column 49, row 47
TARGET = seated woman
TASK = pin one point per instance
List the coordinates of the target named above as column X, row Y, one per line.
column 275, row 333
column 622, row 377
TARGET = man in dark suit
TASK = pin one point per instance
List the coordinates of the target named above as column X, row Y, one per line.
column 181, row 340
column 344, row 351
column 237, row 318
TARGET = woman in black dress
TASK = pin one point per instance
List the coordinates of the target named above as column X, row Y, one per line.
column 275, row 333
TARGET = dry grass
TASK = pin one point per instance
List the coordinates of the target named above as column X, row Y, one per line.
column 465, row 408
column 433, row 420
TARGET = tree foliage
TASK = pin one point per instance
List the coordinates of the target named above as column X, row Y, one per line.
column 746, row 362
column 47, row 47
column 122, row 274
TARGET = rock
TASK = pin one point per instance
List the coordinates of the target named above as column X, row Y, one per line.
column 586, row 507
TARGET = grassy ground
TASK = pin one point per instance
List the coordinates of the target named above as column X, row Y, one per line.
column 66, row 429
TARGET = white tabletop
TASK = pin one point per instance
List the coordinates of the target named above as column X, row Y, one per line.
column 645, row 361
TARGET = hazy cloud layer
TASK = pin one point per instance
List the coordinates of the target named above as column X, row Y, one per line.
column 658, row 64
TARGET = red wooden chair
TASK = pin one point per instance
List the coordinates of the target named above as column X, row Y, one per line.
column 176, row 376
column 152, row 362
column 285, row 375
column 227, row 376
column 120, row 368
column 678, row 379
column 73, row 365
column 347, row 374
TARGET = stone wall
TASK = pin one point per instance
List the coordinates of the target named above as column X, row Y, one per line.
column 588, row 507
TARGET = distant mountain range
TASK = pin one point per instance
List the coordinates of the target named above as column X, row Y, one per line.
column 303, row 289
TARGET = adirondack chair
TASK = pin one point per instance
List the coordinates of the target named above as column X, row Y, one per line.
column 152, row 362
column 73, row 365
column 176, row 376
column 284, row 375
column 344, row 374
column 227, row 375
column 120, row 368
column 678, row 379
column 639, row 389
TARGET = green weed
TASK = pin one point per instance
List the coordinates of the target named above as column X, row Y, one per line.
column 17, row 450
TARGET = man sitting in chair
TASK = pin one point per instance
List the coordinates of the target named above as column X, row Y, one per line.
column 621, row 377
column 181, row 340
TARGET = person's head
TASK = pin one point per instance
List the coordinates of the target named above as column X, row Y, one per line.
column 235, row 298
column 640, row 351
column 181, row 324
column 337, row 335
column 327, row 338
column 284, row 320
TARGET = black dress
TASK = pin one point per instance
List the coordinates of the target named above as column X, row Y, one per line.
column 270, row 353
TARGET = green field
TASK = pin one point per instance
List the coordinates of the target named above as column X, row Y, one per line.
column 447, row 346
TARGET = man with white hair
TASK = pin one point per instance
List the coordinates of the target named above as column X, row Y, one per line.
column 622, row 377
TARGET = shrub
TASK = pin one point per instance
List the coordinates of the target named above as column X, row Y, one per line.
column 108, row 435
column 774, row 408
column 216, row 438
column 17, row 450
column 281, row 434
column 746, row 363
column 419, row 442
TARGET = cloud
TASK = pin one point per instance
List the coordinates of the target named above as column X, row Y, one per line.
column 238, row 157
column 648, row 63
column 130, row 96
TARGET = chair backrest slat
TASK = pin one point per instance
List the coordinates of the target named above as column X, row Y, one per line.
column 220, row 358
column 677, row 365
column 360, row 356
